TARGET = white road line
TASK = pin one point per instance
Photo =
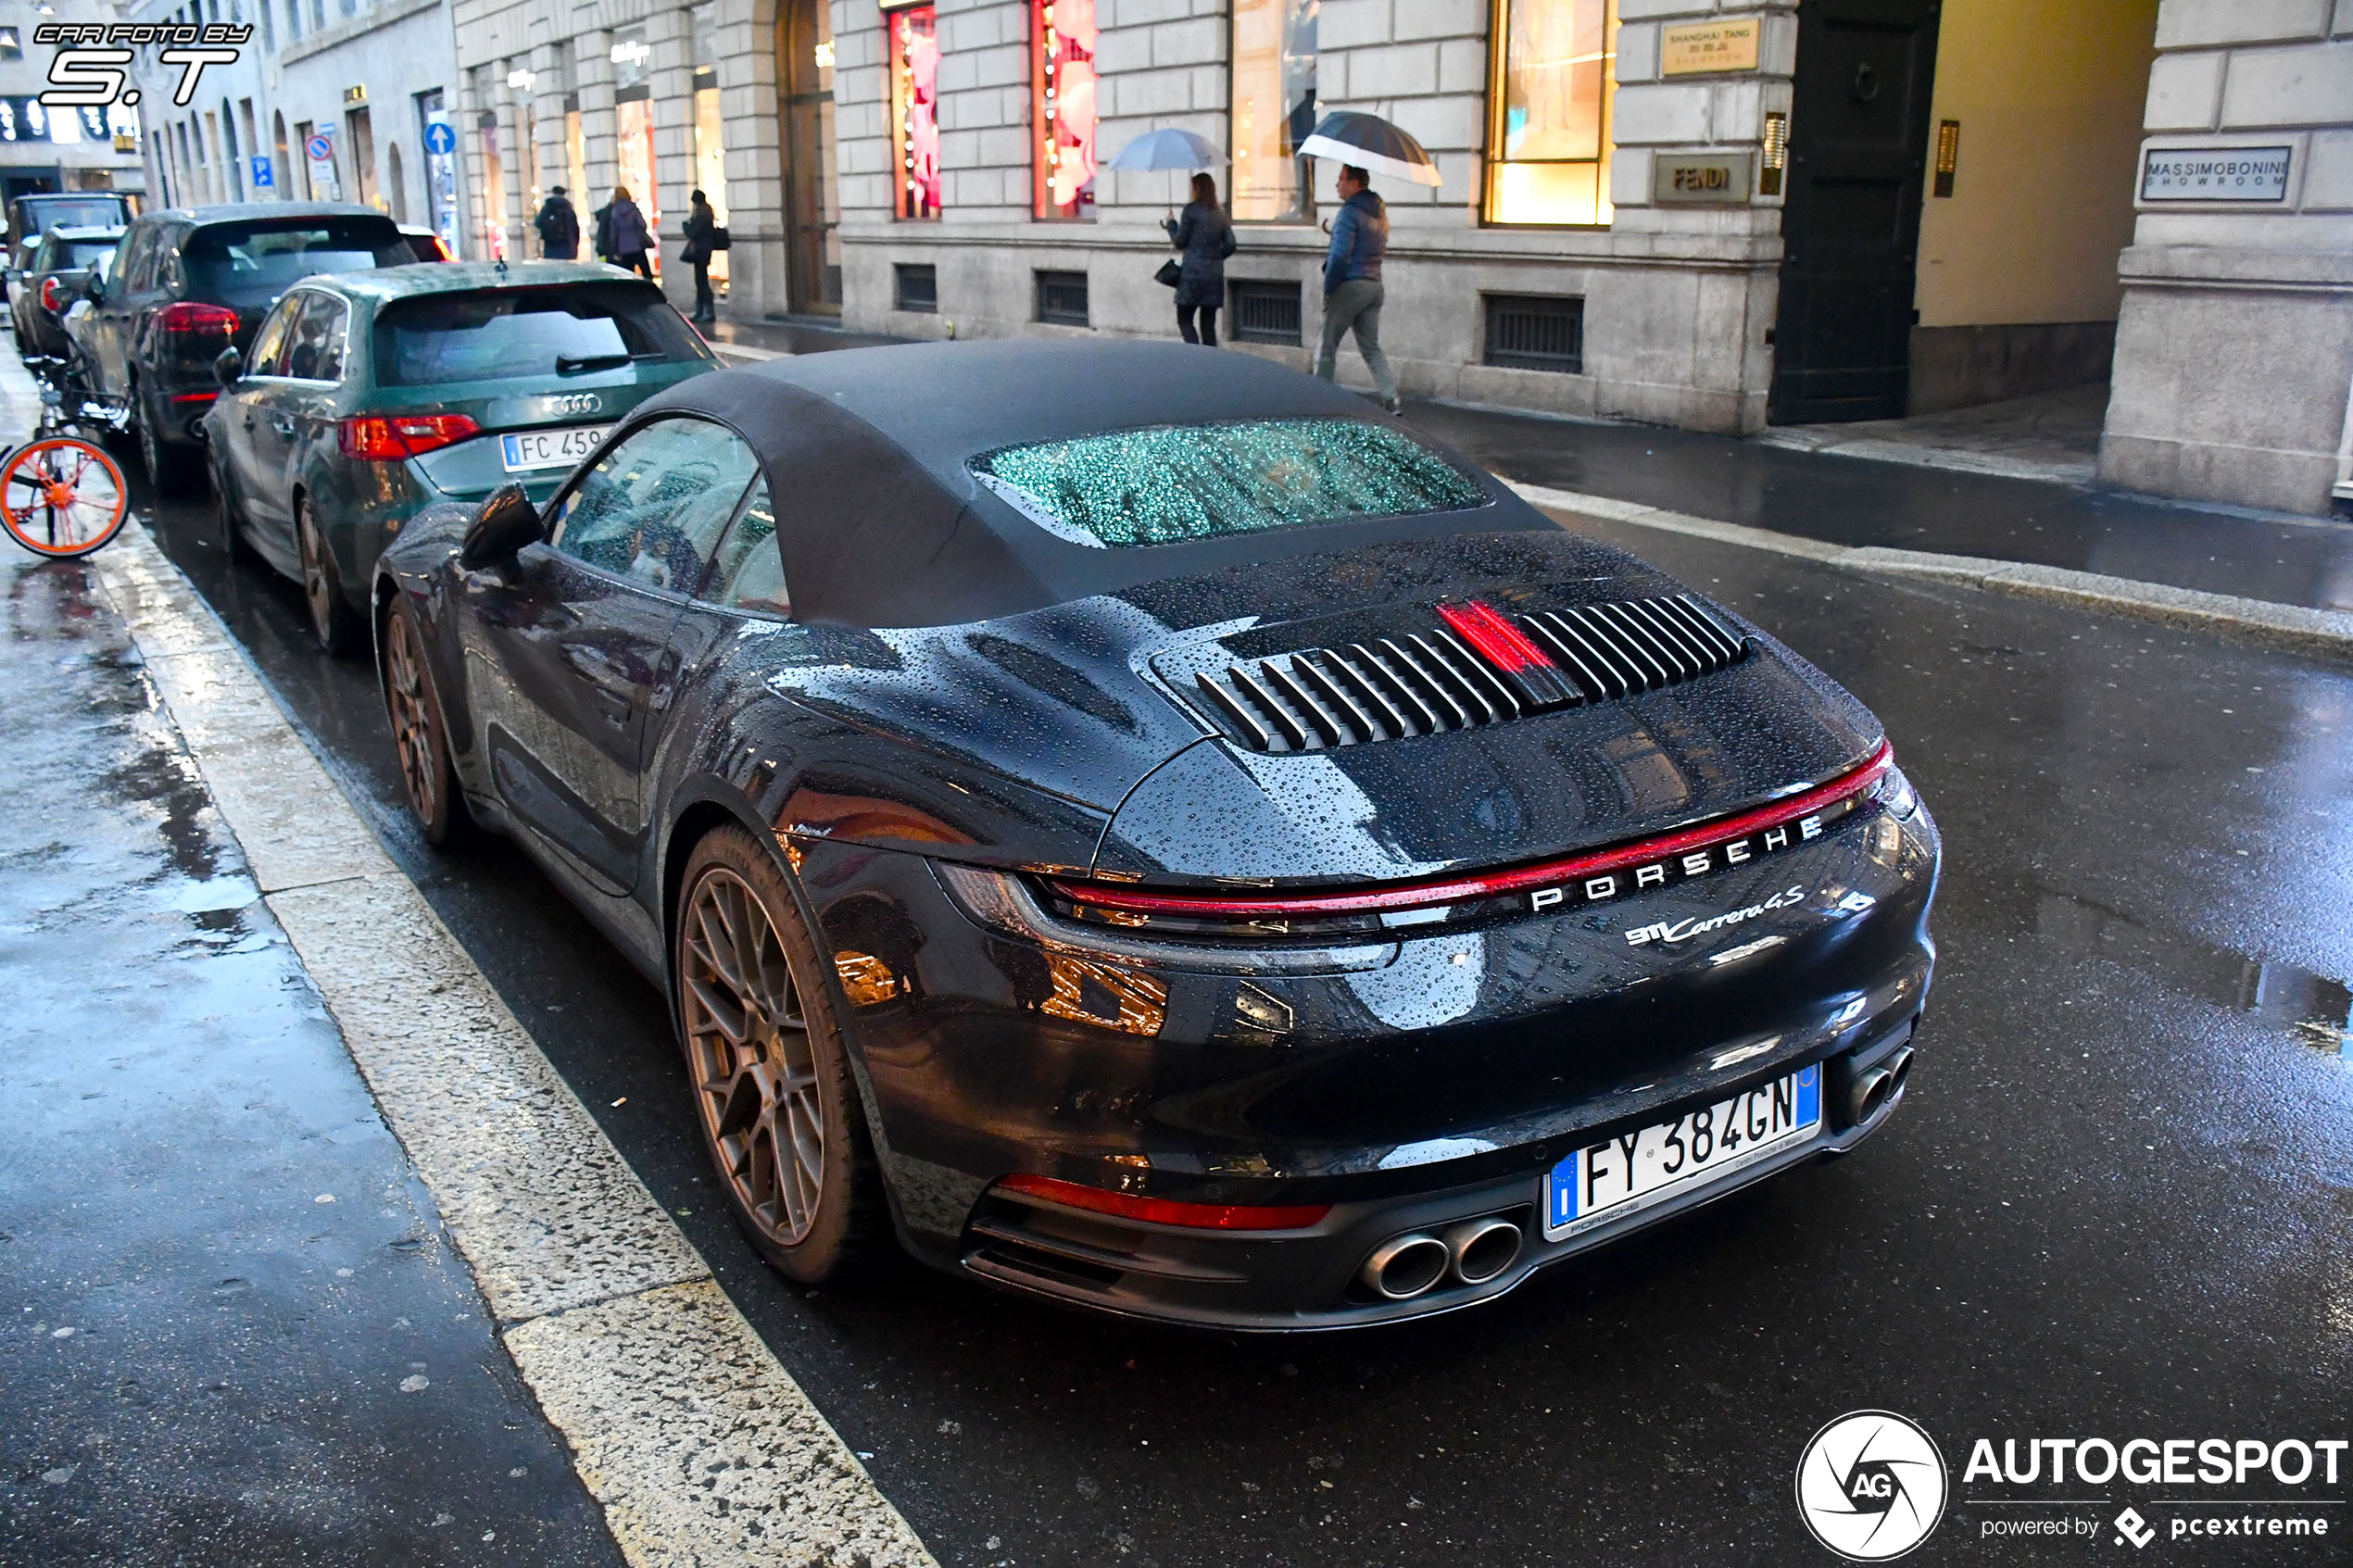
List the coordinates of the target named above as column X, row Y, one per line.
column 745, row 351
column 2325, row 632
column 699, row 1446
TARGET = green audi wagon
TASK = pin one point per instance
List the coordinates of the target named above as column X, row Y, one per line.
column 369, row 395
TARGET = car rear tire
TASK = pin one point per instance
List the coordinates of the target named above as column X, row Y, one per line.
column 779, row 1109
column 332, row 620
column 172, row 470
column 413, row 704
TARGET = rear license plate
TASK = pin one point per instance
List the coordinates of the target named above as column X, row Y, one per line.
column 1606, row 1180
column 527, row 449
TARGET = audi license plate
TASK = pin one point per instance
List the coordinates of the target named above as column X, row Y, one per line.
column 528, row 449
column 1605, row 1180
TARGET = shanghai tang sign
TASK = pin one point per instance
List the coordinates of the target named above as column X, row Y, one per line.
column 1695, row 48
column 2214, row 174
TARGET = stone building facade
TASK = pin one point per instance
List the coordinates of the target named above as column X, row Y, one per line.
column 2234, row 377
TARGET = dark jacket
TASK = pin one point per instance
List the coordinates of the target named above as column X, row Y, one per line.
column 1360, row 235
column 1207, row 239
column 627, row 229
column 703, row 222
column 558, row 227
column 603, row 218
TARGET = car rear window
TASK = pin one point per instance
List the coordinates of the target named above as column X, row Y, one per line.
column 1177, row 483
column 497, row 333
column 100, row 212
column 80, row 253
column 254, row 263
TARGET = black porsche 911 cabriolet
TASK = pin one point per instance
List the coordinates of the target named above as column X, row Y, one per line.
column 1143, row 827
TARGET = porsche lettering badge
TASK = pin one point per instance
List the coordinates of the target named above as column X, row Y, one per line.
column 1698, row 861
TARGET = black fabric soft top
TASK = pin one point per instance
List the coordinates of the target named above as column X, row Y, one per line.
column 882, row 524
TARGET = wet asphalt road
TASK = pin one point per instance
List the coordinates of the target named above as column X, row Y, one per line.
column 2117, row 1200
column 232, row 1330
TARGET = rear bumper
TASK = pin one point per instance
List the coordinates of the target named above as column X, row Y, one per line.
column 1310, row 1279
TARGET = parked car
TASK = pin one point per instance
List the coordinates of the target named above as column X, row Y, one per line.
column 55, row 271
column 369, row 395
column 192, row 281
column 427, row 245
column 1163, row 836
column 30, row 216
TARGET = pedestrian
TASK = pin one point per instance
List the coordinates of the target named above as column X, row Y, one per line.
column 702, row 226
column 1206, row 236
column 1352, row 283
column 620, row 233
column 559, row 227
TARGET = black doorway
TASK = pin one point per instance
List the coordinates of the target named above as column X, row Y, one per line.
column 1858, row 147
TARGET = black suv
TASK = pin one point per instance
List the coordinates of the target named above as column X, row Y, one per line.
column 189, row 282
column 31, row 216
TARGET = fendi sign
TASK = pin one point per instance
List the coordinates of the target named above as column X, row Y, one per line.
column 1692, row 178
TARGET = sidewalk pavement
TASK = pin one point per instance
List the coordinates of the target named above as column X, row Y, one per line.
column 2030, row 503
column 236, row 1331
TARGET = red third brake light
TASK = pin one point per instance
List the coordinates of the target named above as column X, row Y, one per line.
column 392, row 438
column 186, row 318
column 1167, row 1211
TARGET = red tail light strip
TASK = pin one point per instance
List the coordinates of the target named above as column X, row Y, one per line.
column 1165, row 1211
column 1488, row 885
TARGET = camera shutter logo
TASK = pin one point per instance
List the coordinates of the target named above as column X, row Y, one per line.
column 1871, row 1486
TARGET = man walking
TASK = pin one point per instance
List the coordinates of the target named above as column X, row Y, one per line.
column 559, row 227
column 1352, row 283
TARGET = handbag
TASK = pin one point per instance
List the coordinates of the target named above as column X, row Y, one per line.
column 718, row 239
column 1170, row 274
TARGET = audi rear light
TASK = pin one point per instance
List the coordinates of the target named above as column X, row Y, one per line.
column 440, row 251
column 53, row 298
column 187, row 319
column 1167, row 1211
column 392, row 438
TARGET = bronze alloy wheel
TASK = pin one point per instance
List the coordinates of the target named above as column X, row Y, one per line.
column 415, row 710
column 330, row 619
column 780, row 1114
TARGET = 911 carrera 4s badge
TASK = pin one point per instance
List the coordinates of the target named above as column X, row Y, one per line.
column 1684, row 930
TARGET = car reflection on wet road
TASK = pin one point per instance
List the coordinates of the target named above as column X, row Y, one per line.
column 2120, row 1200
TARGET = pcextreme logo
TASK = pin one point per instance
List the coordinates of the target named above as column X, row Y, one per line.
column 1871, row 1486
column 88, row 69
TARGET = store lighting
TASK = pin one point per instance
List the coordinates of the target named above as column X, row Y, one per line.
column 520, row 80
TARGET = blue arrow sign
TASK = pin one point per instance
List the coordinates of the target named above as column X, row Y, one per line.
column 440, row 140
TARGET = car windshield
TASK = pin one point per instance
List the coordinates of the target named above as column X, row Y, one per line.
column 252, row 263
column 497, row 333
column 1178, row 482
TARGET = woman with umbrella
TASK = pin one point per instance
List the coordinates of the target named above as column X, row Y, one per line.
column 1206, row 236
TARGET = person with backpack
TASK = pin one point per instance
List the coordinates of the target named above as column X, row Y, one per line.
column 702, row 228
column 620, row 233
column 559, row 227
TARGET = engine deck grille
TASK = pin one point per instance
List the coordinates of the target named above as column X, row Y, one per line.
column 1422, row 683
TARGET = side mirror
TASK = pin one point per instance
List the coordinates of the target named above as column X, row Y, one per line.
column 227, row 366
column 507, row 522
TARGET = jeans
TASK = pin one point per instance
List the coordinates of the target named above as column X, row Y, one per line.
column 704, row 304
column 1355, row 305
column 1207, row 336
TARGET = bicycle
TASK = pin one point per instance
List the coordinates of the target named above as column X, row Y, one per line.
column 61, row 496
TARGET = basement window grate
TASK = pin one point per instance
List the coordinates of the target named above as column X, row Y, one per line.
column 918, row 288
column 1264, row 310
column 1536, row 333
column 1061, row 298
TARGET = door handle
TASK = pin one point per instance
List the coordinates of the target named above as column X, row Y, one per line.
column 282, row 425
column 616, row 704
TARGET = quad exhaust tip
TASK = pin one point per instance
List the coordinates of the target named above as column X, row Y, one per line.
column 1873, row 1087
column 1470, row 1251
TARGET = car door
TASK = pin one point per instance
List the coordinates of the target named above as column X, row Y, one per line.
column 246, row 411
column 570, row 651
column 114, row 314
column 303, row 405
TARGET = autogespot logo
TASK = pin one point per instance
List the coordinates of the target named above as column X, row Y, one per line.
column 1871, row 1486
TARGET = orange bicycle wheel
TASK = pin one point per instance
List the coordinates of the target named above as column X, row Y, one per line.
column 61, row 497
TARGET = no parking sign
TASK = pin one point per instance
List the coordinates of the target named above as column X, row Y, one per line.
column 320, row 148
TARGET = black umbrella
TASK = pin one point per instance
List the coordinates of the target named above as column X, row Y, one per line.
column 1372, row 143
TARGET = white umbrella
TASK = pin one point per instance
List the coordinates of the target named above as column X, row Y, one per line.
column 1165, row 149
column 1371, row 143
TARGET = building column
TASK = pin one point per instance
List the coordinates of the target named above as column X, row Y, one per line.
column 514, row 158
column 600, row 133
column 752, row 135
column 670, row 73
column 547, row 107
